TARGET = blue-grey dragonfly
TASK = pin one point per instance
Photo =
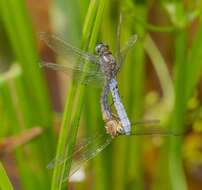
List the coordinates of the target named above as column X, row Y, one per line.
column 100, row 71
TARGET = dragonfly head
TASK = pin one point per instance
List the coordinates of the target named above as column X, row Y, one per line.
column 101, row 48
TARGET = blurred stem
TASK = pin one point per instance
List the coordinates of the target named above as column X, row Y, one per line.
column 194, row 65
column 180, row 18
column 176, row 170
column 171, row 160
column 129, row 166
column 161, row 70
column 137, row 82
column 108, row 170
column 187, row 73
column 21, row 35
column 154, row 28
column 65, row 20
column 17, row 121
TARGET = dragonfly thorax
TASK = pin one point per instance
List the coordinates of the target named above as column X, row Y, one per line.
column 102, row 48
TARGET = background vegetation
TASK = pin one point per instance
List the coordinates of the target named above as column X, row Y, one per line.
column 161, row 79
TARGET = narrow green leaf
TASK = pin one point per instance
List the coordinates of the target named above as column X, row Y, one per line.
column 194, row 65
column 5, row 182
column 161, row 70
column 88, row 26
column 176, row 170
column 16, row 122
column 136, row 89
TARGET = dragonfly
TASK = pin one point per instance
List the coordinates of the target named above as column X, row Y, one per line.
column 101, row 70
column 93, row 145
column 98, row 70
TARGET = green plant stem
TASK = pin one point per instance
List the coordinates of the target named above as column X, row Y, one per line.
column 154, row 28
column 171, row 157
column 194, row 65
column 59, row 171
column 5, row 182
column 137, row 82
column 176, row 171
column 63, row 134
column 187, row 73
column 129, row 168
column 82, row 89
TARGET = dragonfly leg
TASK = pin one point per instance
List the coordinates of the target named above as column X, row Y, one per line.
column 115, row 116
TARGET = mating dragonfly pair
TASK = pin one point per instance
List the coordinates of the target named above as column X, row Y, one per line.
column 100, row 71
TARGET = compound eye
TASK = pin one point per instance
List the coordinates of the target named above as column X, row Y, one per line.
column 97, row 48
column 106, row 46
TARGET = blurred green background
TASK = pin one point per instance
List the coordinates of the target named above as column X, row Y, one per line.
column 160, row 79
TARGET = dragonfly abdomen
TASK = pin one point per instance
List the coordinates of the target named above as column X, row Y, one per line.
column 106, row 110
column 119, row 106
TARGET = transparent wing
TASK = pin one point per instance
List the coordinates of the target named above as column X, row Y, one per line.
column 74, row 60
column 127, row 47
column 146, row 127
column 82, row 144
column 86, row 151
column 118, row 52
column 146, row 122
column 96, row 80
column 94, row 77
column 124, row 51
column 66, row 50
